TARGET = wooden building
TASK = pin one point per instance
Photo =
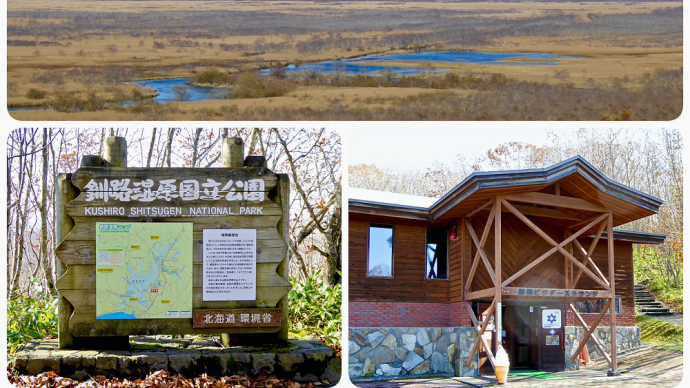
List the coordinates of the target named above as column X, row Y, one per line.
column 531, row 254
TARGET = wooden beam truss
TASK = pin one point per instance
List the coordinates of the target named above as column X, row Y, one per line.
column 587, row 266
column 481, row 328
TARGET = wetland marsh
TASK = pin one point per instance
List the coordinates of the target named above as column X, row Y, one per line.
column 169, row 59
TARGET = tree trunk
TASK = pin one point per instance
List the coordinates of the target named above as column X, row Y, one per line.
column 21, row 216
column 333, row 260
column 195, row 146
column 153, row 141
column 168, row 145
column 10, row 152
column 43, row 210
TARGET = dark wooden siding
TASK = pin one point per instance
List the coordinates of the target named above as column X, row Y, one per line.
column 623, row 264
column 455, row 254
column 520, row 246
column 408, row 283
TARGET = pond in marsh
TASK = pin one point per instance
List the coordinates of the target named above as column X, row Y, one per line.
column 369, row 64
column 167, row 92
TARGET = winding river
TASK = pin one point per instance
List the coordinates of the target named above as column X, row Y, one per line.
column 365, row 65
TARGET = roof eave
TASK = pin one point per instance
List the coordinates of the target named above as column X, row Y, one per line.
column 388, row 210
column 635, row 237
column 486, row 180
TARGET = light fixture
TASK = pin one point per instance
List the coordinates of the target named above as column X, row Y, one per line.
column 454, row 233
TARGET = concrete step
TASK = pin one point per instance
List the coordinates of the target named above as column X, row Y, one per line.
column 657, row 314
column 650, row 305
column 637, row 300
column 655, row 310
column 639, row 287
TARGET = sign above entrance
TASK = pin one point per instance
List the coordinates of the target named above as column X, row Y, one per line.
column 551, row 319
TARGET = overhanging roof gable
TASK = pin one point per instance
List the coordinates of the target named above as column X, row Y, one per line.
column 529, row 180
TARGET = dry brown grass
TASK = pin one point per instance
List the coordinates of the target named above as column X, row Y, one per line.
column 470, row 97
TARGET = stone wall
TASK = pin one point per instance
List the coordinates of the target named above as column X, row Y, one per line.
column 300, row 360
column 408, row 351
column 627, row 338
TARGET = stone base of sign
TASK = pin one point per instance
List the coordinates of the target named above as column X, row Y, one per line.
column 300, row 359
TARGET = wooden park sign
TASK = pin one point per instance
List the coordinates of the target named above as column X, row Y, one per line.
column 160, row 250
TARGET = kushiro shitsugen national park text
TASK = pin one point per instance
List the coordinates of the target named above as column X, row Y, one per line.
column 344, row 60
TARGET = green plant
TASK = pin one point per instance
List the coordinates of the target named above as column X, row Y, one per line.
column 30, row 317
column 316, row 309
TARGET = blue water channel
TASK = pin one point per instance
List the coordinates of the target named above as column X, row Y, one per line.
column 166, row 90
column 368, row 64
column 365, row 65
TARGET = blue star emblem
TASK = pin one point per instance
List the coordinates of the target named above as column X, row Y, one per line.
column 551, row 318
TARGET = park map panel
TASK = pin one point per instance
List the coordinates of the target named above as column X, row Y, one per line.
column 143, row 270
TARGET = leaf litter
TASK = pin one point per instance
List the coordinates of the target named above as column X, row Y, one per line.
column 159, row 379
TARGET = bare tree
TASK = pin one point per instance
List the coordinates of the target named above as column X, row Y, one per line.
column 43, row 258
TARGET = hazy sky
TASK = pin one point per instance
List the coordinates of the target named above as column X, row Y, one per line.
column 419, row 148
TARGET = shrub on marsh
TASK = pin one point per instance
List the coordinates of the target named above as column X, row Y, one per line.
column 65, row 102
column 213, row 77
column 250, row 85
column 35, row 94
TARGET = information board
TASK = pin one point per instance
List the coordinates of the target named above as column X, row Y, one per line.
column 143, row 270
column 229, row 264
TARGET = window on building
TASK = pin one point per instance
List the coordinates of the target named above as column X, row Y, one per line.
column 595, row 306
column 380, row 251
column 437, row 253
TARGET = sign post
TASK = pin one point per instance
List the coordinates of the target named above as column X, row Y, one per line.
column 210, row 237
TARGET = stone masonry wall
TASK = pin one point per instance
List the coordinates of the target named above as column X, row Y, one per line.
column 407, row 351
column 627, row 337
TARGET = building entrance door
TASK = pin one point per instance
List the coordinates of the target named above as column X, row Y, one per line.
column 520, row 342
column 533, row 336
column 551, row 334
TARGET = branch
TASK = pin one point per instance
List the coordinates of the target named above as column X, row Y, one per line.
column 296, row 181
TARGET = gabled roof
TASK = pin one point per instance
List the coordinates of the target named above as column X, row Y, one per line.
column 575, row 175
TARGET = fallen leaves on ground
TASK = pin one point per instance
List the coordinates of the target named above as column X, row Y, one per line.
column 159, row 379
